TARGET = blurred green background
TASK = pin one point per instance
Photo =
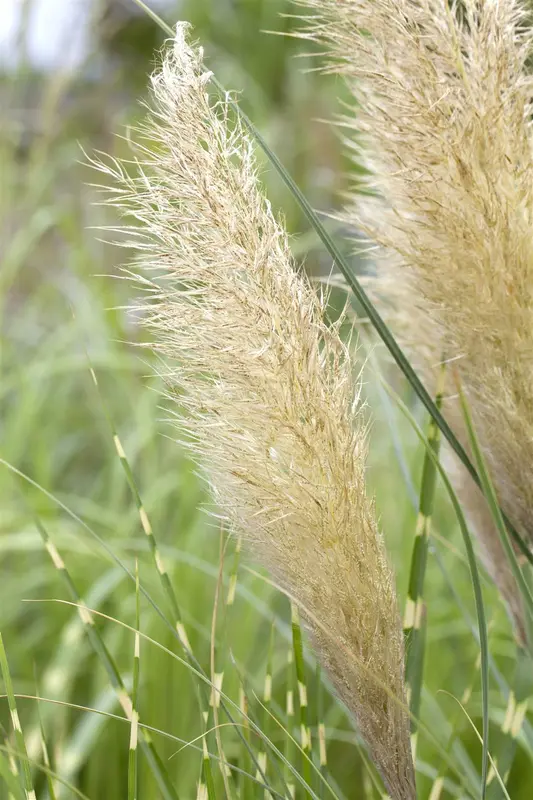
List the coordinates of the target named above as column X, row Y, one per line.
column 61, row 307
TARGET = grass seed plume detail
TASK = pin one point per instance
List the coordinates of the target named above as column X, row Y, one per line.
column 268, row 403
column 441, row 121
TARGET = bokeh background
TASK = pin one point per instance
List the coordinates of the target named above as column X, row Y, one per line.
column 72, row 75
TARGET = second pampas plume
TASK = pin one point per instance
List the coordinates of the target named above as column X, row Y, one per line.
column 442, row 122
column 268, row 403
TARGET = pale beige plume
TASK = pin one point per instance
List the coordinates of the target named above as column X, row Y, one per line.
column 442, row 121
column 270, row 405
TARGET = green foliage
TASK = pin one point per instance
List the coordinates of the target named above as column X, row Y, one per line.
column 61, row 305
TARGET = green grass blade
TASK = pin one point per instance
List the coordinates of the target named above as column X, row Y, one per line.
column 315, row 770
column 438, row 783
column 289, row 713
column 156, row 18
column 299, row 663
column 27, row 782
column 476, row 732
column 513, row 722
column 246, row 787
column 134, row 730
column 415, row 621
column 145, row 522
column 267, row 699
column 265, row 744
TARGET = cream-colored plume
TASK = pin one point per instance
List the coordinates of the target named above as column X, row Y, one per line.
column 271, row 409
column 443, row 123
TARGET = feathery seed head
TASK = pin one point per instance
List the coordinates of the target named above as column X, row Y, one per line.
column 443, row 124
column 271, row 410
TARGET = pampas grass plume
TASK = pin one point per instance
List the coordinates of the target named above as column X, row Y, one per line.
column 442, row 122
column 271, row 407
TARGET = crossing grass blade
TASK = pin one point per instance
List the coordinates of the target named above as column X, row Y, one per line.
column 27, row 782
column 415, row 619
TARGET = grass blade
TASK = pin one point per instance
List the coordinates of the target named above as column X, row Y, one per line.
column 289, row 709
column 299, row 663
column 246, row 788
column 267, row 697
column 132, row 756
column 217, row 677
column 27, row 782
column 15, row 791
column 415, row 622
column 46, row 757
